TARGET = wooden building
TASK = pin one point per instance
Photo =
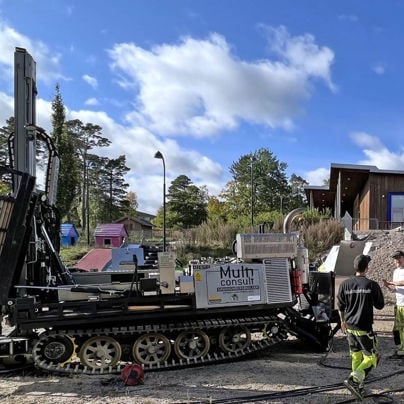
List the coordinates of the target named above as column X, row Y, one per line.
column 373, row 198
column 137, row 226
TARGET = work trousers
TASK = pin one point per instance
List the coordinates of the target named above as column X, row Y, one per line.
column 399, row 327
column 363, row 350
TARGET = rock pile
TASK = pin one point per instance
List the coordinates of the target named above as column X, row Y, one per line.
column 384, row 244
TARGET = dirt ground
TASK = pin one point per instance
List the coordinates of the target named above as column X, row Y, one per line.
column 289, row 373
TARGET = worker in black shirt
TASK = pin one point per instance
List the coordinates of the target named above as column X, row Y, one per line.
column 356, row 298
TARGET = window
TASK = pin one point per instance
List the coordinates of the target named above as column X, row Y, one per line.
column 107, row 241
column 396, row 207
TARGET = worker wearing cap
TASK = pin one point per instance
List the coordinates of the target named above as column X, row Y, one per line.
column 397, row 285
column 357, row 296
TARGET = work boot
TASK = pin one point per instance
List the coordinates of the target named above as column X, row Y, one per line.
column 355, row 388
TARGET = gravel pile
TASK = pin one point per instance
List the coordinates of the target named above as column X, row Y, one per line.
column 384, row 244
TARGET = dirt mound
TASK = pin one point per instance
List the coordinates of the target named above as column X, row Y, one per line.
column 384, row 243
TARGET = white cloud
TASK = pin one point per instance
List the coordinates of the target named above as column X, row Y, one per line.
column 92, row 81
column 139, row 145
column 363, row 139
column 91, row 101
column 48, row 63
column 377, row 153
column 198, row 87
column 303, row 54
column 317, row 176
column 6, row 107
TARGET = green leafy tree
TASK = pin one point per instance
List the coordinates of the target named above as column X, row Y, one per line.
column 216, row 209
column 297, row 197
column 187, row 204
column 259, row 185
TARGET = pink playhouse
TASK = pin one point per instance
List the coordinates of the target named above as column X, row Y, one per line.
column 110, row 235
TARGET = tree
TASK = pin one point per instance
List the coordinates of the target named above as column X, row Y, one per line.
column 86, row 137
column 69, row 168
column 108, row 186
column 130, row 204
column 216, row 209
column 187, row 204
column 259, row 185
column 58, row 116
column 297, row 198
column 5, row 132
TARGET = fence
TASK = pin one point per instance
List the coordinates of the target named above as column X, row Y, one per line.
column 374, row 224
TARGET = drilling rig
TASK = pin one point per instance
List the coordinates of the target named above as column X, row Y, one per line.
column 96, row 323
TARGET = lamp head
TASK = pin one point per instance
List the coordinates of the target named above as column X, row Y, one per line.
column 158, row 155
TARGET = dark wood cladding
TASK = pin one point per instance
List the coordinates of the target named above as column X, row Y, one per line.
column 372, row 207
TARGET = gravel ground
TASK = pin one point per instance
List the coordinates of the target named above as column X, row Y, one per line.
column 280, row 372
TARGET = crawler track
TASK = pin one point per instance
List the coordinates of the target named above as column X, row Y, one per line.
column 155, row 346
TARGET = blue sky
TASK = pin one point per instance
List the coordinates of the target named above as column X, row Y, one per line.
column 207, row 81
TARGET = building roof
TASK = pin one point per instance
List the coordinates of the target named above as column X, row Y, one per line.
column 139, row 220
column 110, row 230
column 68, row 229
column 96, row 259
column 352, row 176
column 145, row 215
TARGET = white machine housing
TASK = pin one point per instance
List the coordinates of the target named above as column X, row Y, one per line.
column 266, row 245
column 244, row 284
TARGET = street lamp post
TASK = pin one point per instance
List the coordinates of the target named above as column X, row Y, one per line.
column 159, row 155
column 88, row 208
column 87, row 201
column 252, row 191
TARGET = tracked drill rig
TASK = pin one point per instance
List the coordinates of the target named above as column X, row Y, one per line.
column 91, row 323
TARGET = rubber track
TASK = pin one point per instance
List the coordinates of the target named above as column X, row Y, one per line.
column 136, row 331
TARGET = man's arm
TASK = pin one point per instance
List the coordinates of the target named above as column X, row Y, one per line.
column 388, row 285
column 393, row 283
column 341, row 308
column 343, row 322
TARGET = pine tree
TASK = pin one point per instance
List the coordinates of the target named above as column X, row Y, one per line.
column 69, row 168
column 108, row 188
column 187, row 204
column 130, row 204
column 85, row 138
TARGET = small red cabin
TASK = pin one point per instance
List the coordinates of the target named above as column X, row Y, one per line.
column 110, row 235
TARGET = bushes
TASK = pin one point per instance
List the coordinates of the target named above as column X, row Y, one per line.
column 211, row 239
column 71, row 255
column 320, row 237
column 215, row 237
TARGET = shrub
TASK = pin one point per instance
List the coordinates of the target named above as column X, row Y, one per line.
column 321, row 236
column 71, row 255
